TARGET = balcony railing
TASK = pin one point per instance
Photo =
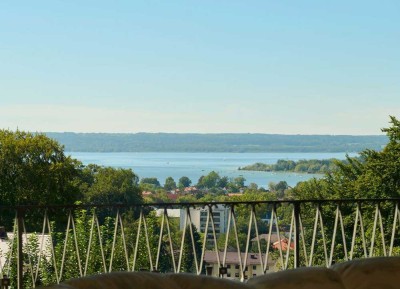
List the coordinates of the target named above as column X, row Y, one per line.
column 49, row 244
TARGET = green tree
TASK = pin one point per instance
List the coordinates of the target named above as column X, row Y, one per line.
column 184, row 182
column 223, row 182
column 376, row 174
column 209, row 181
column 169, row 184
column 34, row 170
column 159, row 196
column 150, row 181
column 279, row 188
column 154, row 230
column 236, row 184
column 188, row 261
column 239, row 181
column 186, row 199
column 107, row 185
column 253, row 187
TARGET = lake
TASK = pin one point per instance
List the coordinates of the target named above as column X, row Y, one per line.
column 194, row 165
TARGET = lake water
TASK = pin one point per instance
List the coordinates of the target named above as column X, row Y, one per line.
column 194, row 165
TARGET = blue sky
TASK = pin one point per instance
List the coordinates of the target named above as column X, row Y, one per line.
column 290, row 67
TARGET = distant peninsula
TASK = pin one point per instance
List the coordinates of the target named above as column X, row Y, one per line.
column 301, row 166
column 225, row 142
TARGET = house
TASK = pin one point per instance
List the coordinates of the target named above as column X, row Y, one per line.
column 172, row 197
column 234, row 194
column 264, row 237
column 172, row 213
column 232, row 263
column 284, row 244
column 146, row 193
column 191, row 190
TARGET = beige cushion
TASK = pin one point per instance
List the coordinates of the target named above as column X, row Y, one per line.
column 190, row 281
column 301, row 278
column 371, row 273
column 123, row 280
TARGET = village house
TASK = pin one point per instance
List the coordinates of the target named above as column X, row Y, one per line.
column 232, row 263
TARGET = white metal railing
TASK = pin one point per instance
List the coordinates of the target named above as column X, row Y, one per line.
column 55, row 243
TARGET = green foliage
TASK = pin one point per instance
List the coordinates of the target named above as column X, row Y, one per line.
column 154, row 230
column 243, row 213
column 375, row 175
column 209, row 181
column 301, row 166
column 188, row 260
column 236, row 184
column 107, row 185
column 159, row 196
column 393, row 132
column 313, row 189
column 150, row 181
column 114, row 259
column 279, row 188
column 30, row 255
column 223, row 182
column 187, row 199
column 184, row 182
column 35, row 171
column 215, row 184
column 169, row 184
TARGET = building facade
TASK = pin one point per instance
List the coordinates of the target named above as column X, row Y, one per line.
column 199, row 219
column 252, row 266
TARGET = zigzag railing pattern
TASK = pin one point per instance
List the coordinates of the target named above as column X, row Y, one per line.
column 50, row 244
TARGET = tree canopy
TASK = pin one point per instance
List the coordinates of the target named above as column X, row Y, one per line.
column 35, row 170
column 375, row 175
column 106, row 185
column 150, row 181
column 301, row 166
column 170, row 184
column 184, row 182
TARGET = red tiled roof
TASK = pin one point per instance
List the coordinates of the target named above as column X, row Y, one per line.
column 284, row 243
column 274, row 238
column 172, row 196
column 235, row 194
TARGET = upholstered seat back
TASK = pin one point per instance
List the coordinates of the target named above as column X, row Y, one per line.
column 372, row 273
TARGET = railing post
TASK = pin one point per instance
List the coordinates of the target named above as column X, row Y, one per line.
column 297, row 234
column 20, row 261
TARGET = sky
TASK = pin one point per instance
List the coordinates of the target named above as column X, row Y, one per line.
column 286, row 67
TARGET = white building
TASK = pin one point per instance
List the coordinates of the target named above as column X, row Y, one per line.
column 172, row 213
column 199, row 219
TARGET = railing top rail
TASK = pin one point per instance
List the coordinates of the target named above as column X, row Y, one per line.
column 201, row 204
